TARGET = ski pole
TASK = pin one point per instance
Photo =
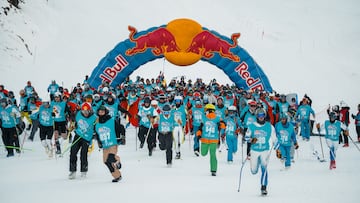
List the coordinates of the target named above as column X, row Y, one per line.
column 17, row 136
column 148, row 132
column 72, row 144
column 322, row 151
column 23, row 142
column 136, row 134
column 357, row 147
column 241, row 169
column 13, row 147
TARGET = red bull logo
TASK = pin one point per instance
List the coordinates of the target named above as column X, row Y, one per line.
column 206, row 44
column 183, row 42
column 159, row 40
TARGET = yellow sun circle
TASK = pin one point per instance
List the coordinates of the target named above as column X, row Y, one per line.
column 184, row 30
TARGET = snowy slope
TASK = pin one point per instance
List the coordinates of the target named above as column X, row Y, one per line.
column 32, row 177
column 303, row 46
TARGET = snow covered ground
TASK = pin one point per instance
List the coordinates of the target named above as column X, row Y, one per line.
column 303, row 46
column 32, row 177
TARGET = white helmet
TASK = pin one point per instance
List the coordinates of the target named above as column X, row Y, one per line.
column 178, row 98
column 232, row 108
column 105, row 89
column 154, row 102
column 57, row 94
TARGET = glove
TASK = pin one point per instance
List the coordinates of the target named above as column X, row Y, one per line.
column 296, row 146
column 318, row 126
column 179, row 122
column 278, row 153
column 198, row 133
column 119, row 141
column 253, row 140
column 346, row 132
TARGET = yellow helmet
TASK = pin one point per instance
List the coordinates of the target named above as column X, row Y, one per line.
column 209, row 107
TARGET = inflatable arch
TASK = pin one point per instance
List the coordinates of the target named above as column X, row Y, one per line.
column 182, row 42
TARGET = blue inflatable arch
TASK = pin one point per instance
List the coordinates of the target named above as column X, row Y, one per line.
column 145, row 46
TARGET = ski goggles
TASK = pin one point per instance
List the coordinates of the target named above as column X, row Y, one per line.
column 260, row 115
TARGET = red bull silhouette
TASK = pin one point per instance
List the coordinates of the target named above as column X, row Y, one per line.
column 206, row 43
column 160, row 40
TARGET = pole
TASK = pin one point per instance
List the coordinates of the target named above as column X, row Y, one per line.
column 136, row 134
column 13, row 147
column 322, row 151
column 357, row 147
column 17, row 137
column 72, row 144
column 23, row 141
column 241, row 169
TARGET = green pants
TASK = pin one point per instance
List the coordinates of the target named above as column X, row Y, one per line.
column 205, row 148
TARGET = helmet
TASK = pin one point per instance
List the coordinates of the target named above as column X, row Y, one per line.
column 252, row 103
column 335, row 108
column 105, row 89
column 283, row 116
column 3, row 102
column 86, row 106
column 102, row 108
column 147, row 100
column 343, row 104
column 232, row 108
column 198, row 102
column 166, row 107
column 196, row 94
column 57, row 94
column 178, row 99
column 260, row 113
column 96, row 97
column 332, row 116
column 154, row 102
column 209, row 107
column 162, row 96
column 88, row 98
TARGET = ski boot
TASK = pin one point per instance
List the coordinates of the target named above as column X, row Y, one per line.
column 83, row 175
column 72, row 175
column 263, row 190
column 332, row 164
column 177, row 155
column 115, row 180
column 213, row 173
column 197, row 153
